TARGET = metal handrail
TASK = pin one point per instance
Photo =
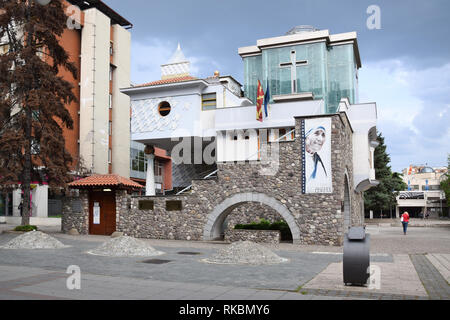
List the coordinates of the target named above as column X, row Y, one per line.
column 215, row 171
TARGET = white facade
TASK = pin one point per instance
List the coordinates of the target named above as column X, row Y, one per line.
column 187, row 118
column 363, row 119
column 121, row 102
column 97, row 71
column 233, row 120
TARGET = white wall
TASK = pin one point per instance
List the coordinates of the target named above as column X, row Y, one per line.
column 16, row 196
column 362, row 117
column 280, row 115
column 40, row 201
column 241, row 149
column 94, row 90
column 121, row 103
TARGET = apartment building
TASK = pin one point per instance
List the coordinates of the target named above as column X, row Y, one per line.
column 99, row 46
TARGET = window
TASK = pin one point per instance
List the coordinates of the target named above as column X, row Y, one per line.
column 209, row 101
column 146, row 204
column 111, row 69
column 110, row 100
column 110, row 128
column 173, row 205
column 109, row 155
column 430, row 187
column 158, row 168
column 286, row 134
column 138, row 160
column 164, row 108
column 281, row 133
column 111, row 48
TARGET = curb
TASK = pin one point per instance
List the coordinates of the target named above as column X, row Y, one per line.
column 423, row 226
column 13, row 232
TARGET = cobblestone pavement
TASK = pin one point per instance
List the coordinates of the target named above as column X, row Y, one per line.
column 185, row 278
column 433, row 281
column 442, row 263
column 390, row 279
column 24, row 283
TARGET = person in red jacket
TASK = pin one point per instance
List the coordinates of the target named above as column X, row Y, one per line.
column 405, row 220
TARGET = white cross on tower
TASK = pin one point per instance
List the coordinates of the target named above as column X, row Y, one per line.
column 293, row 65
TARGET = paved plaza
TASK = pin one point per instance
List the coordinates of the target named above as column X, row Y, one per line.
column 413, row 267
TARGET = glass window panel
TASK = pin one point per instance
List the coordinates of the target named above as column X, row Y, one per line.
column 209, row 96
column 252, row 73
column 135, row 165
column 342, row 75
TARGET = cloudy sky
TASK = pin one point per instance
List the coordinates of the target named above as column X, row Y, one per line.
column 405, row 64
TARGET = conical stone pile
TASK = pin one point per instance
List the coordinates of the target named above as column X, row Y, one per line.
column 34, row 240
column 245, row 252
column 125, row 246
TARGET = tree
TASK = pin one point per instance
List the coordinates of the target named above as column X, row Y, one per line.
column 33, row 96
column 383, row 196
column 445, row 183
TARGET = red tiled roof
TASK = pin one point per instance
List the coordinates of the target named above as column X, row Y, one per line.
column 105, row 180
column 167, row 81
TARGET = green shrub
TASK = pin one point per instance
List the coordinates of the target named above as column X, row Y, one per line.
column 264, row 224
column 25, row 228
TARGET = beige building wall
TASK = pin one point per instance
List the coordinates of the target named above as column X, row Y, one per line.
column 419, row 180
column 121, row 102
column 95, row 95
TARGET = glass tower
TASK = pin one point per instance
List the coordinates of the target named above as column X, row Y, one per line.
column 328, row 71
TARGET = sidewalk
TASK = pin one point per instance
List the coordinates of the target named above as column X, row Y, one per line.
column 413, row 222
column 26, row 283
column 313, row 272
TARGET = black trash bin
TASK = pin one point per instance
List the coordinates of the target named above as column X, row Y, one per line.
column 356, row 260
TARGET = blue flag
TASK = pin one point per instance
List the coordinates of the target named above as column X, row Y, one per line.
column 267, row 99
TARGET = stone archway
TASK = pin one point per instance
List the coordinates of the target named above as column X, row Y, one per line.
column 216, row 218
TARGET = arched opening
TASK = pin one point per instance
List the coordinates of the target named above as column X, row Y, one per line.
column 214, row 227
column 257, row 216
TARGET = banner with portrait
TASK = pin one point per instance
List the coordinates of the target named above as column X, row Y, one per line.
column 316, row 158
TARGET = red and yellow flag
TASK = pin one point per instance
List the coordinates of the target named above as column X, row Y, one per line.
column 259, row 102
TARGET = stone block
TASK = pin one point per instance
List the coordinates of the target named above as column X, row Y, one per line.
column 117, row 234
column 73, row 232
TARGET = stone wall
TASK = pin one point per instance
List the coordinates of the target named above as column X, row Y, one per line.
column 76, row 213
column 186, row 224
column 260, row 236
column 243, row 194
column 318, row 217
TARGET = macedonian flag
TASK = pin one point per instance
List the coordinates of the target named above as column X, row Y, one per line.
column 259, row 102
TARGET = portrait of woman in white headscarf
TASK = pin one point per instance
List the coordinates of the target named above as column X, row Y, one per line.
column 318, row 155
